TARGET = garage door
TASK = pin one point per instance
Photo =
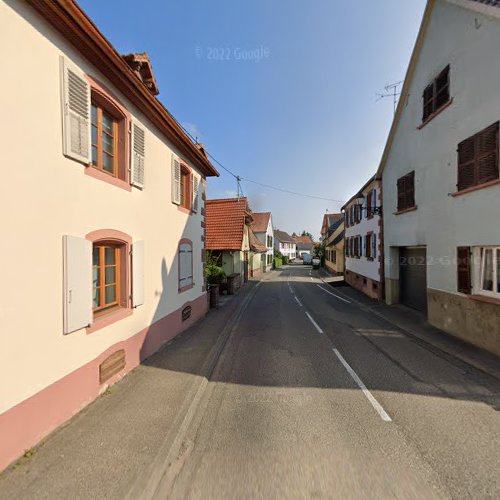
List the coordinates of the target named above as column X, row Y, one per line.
column 413, row 277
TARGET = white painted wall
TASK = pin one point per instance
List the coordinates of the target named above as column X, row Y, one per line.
column 363, row 266
column 263, row 239
column 470, row 43
column 46, row 196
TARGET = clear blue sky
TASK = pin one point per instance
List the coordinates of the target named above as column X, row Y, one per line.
column 304, row 117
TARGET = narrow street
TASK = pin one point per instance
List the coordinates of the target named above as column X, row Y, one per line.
column 284, row 414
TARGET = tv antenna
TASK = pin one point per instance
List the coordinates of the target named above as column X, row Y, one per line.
column 391, row 90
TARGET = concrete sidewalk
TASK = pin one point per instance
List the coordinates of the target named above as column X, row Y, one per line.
column 109, row 448
column 414, row 324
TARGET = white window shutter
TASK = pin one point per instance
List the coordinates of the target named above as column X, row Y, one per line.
column 176, row 181
column 138, row 273
column 185, row 261
column 189, row 264
column 75, row 112
column 77, row 287
column 195, row 193
column 137, row 155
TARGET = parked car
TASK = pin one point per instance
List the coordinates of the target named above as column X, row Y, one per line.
column 307, row 259
column 316, row 263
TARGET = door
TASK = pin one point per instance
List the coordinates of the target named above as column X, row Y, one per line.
column 413, row 277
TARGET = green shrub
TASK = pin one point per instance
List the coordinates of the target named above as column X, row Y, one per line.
column 286, row 260
column 277, row 262
column 214, row 274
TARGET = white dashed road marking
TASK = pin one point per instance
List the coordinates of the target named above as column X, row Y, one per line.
column 335, row 295
column 366, row 392
column 314, row 323
column 298, row 301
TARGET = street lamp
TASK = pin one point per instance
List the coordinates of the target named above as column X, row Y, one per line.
column 360, row 200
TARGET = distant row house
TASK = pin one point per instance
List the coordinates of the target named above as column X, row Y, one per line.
column 285, row 244
column 334, row 241
column 364, row 261
column 305, row 245
column 437, row 248
column 109, row 235
column 231, row 241
column 263, row 228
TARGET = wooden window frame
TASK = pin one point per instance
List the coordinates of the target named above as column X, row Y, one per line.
column 431, row 94
column 102, row 97
column 470, row 163
column 406, row 192
column 479, row 270
column 186, row 201
column 103, row 307
column 100, row 110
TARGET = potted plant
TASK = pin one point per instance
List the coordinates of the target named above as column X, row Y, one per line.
column 215, row 276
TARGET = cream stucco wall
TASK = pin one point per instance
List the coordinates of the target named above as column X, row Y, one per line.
column 46, row 196
column 470, row 43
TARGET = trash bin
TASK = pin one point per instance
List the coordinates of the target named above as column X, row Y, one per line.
column 214, row 295
column 230, row 285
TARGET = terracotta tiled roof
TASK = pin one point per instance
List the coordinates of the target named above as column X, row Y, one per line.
column 260, row 222
column 303, row 239
column 225, row 223
column 283, row 236
column 328, row 219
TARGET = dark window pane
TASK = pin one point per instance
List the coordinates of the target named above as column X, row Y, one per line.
column 94, row 135
column 110, row 294
column 96, row 276
column 110, row 256
column 95, row 256
column 108, row 143
column 110, row 275
column 94, row 115
column 107, row 123
column 108, row 163
column 97, row 297
column 94, row 155
column 498, row 271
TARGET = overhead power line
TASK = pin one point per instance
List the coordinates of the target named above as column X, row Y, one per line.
column 291, row 192
column 239, row 178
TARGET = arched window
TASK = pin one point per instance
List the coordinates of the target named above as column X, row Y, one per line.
column 110, row 270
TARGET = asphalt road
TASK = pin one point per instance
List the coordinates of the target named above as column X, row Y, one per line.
column 315, row 398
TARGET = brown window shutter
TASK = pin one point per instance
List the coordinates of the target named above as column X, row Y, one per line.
column 487, row 154
column 466, row 169
column 410, row 190
column 401, row 195
column 463, row 270
column 428, row 101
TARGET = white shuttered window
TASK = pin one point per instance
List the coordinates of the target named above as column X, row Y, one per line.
column 138, row 155
column 77, row 288
column 195, row 193
column 176, row 181
column 138, row 273
column 75, row 112
column 185, row 265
